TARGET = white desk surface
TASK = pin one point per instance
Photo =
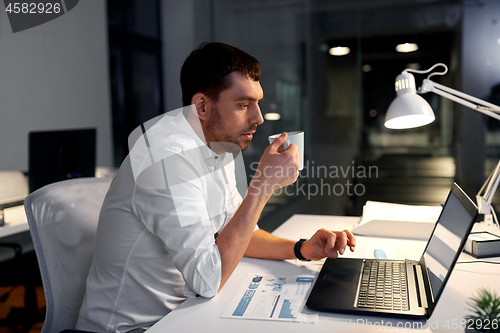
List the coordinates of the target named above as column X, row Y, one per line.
column 15, row 221
column 204, row 315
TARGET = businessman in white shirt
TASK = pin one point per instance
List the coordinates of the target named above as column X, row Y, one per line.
column 173, row 224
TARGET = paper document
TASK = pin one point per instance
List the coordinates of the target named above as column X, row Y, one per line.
column 273, row 297
column 396, row 220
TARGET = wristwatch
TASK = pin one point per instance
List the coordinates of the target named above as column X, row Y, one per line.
column 296, row 250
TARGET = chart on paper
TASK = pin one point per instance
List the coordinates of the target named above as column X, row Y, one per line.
column 273, row 297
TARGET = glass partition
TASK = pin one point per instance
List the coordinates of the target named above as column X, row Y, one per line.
column 340, row 100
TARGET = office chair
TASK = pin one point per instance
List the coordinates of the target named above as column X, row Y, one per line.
column 62, row 218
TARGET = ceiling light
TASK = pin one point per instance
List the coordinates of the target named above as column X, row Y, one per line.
column 407, row 47
column 414, row 65
column 339, row 51
column 272, row 116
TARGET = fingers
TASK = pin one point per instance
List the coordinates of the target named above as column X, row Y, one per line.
column 335, row 242
column 341, row 243
column 279, row 145
column 278, row 142
column 292, row 153
column 290, row 156
column 351, row 240
column 293, row 150
column 329, row 241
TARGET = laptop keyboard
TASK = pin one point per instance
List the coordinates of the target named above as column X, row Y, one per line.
column 383, row 286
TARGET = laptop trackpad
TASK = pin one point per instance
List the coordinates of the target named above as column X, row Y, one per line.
column 336, row 286
column 340, row 275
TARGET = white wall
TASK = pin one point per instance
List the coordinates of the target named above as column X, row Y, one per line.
column 54, row 76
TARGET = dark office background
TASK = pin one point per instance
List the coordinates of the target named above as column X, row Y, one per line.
column 340, row 102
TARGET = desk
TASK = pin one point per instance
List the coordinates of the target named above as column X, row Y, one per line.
column 15, row 221
column 15, row 230
column 202, row 315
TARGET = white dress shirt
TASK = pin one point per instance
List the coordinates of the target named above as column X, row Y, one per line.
column 155, row 242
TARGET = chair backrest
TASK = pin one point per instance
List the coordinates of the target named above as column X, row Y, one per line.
column 63, row 218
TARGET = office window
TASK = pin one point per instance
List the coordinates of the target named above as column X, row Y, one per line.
column 135, row 67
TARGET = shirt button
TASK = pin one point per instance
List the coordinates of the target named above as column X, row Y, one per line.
column 216, row 157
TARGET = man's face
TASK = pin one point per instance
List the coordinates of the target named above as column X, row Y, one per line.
column 236, row 114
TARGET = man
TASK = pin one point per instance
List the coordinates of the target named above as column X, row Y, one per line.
column 173, row 224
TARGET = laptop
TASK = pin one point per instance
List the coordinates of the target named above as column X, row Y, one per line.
column 398, row 288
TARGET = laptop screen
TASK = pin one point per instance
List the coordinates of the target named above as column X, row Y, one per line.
column 453, row 225
column 60, row 155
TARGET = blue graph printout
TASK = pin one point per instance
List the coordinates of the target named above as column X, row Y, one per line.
column 243, row 304
column 273, row 297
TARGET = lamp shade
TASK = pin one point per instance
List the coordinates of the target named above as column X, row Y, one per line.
column 408, row 110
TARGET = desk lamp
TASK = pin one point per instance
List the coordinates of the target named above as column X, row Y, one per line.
column 409, row 110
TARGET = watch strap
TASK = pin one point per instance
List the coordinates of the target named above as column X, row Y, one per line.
column 296, row 250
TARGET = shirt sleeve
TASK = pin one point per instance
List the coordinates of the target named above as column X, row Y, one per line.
column 177, row 212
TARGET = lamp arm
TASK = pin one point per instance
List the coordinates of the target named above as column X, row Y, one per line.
column 484, row 107
column 485, row 194
column 495, row 108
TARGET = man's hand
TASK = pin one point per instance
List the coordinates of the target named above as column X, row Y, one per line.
column 326, row 243
column 277, row 168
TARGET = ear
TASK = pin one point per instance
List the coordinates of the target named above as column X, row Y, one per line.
column 200, row 101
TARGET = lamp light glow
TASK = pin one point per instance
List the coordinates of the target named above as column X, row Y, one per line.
column 408, row 111
column 407, row 47
column 339, row 51
column 272, row 116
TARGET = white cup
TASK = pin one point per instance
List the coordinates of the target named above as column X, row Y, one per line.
column 296, row 138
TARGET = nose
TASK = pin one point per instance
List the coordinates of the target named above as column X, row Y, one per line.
column 256, row 116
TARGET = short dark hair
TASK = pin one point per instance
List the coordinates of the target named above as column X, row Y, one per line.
column 207, row 70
